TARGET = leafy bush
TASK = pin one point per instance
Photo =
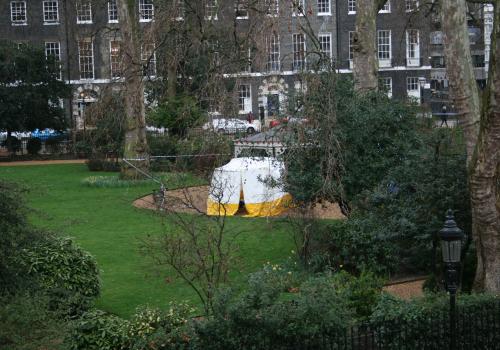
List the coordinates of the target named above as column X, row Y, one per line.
column 177, row 114
column 157, row 329
column 101, row 164
column 15, row 236
column 279, row 311
column 12, row 143
column 210, row 150
column 52, row 144
column 26, row 323
column 425, row 321
column 347, row 147
column 149, row 329
column 83, row 148
column 57, row 263
column 96, row 330
column 34, row 146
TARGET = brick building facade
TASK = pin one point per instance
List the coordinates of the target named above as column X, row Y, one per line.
column 83, row 35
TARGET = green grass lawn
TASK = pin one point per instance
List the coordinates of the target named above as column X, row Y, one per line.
column 104, row 222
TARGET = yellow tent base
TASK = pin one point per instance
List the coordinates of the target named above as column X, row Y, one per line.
column 264, row 209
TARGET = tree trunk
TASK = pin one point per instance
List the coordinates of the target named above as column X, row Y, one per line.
column 460, row 70
column 365, row 60
column 482, row 136
column 364, row 45
column 135, row 147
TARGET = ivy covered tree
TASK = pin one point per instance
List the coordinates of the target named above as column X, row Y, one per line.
column 30, row 89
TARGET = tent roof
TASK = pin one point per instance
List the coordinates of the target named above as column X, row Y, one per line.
column 246, row 163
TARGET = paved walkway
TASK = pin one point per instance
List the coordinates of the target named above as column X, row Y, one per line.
column 43, row 162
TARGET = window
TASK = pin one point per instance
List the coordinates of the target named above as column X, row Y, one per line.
column 324, row 7
column 115, row 58
column 351, row 49
column 245, row 98
column 213, row 51
column 351, row 6
column 248, row 64
column 384, row 47
column 148, row 58
column 211, row 10
column 272, row 7
column 241, row 9
column 299, row 52
column 50, row 12
column 412, row 48
column 179, row 10
column 86, row 58
column 146, row 10
column 112, row 11
column 412, row 84
column 273, row 53
column 83, row 12
column 386, row 9
column 385, row 84
column 411, row 5
column 325, row 44
column 298, row 7
column 18, row 13
column 53, row 50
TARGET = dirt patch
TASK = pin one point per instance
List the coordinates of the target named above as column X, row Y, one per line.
column 194, row 200
column 406, row 289
column 43, row 162
column 185, row 200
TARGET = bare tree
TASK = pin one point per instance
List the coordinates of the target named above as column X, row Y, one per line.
column 200, row 249
column 482, row 134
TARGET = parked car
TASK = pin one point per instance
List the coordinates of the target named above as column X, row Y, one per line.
column 232, row 126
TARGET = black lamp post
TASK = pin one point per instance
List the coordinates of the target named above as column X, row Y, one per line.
column 451, row 246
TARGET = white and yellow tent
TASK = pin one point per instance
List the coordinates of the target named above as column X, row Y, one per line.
column 254, row 181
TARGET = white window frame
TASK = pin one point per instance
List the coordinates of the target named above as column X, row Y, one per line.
column 248, row 66
column 272, row 8
column 83, row 12
column 241, row 5
column 351, row 7
column 179, row 10
column 386, row 8
column 412, row 48
column 211, row 10
column 113, row 11
column 299, row 51
column 244, row 98
column 115, row 66
column 384, row 48
column 386, row 82
column 54, row 48
column 413, row 88
column 296, row 4
column 148, row 57
column 322, row 3
column 411, row 5
column 351, row 50
column 18, row 9
column 328, row 52
column 146, row 11
column 49, row 10
column 273, row 53
column 85, row 60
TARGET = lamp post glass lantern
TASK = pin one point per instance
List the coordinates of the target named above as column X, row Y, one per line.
column 451, row 240
column 451, row 246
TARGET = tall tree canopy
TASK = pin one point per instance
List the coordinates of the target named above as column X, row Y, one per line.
column 30, row 89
